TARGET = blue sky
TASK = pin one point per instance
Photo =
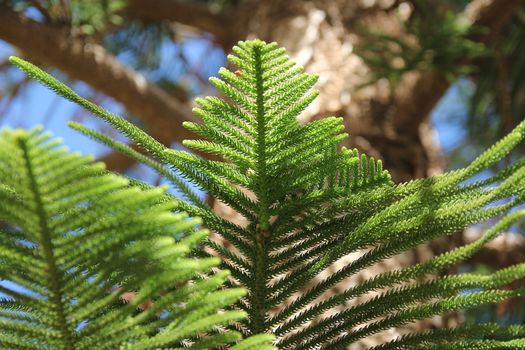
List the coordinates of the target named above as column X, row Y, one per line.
column 448, row 115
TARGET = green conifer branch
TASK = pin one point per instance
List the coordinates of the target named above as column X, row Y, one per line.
column 75, row 239
column 309, row 203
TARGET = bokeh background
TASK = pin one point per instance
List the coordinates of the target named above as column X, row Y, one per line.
column 423, row 85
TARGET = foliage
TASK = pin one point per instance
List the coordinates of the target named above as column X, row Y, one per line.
column 75, row 240
column 434, row 38
column 89, row 16
column 501, row 82
column 309, row 203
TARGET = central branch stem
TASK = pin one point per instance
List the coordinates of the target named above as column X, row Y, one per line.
column 55, row 278
column 259, row 291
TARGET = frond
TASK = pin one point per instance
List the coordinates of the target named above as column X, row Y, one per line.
column 310, row 203
column 460, row 338
column 76, row 241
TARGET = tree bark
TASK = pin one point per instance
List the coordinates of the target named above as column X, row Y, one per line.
column 194, row 15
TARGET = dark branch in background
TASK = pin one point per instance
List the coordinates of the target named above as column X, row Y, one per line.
column 492, row 14
column 418, row 93
column 194, row 15
column 504, row 99
column 161, row 113
column 15, row 89
column 119, row 162
column 505, row 250
column 42, row 10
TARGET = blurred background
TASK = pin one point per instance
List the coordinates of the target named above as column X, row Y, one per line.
column 423, row 85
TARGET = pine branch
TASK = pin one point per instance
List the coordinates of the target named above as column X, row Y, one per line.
column 79, row 238
column 309, row 204
column 506, row 250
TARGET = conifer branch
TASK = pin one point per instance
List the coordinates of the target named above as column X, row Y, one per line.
column 309, row 204
column 78, row 238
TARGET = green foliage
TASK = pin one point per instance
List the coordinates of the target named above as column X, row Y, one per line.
column 500, row 82
column 434, row 38
column 95, row 15
column 75, row 239
column 309, row 203
column 89, row 16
